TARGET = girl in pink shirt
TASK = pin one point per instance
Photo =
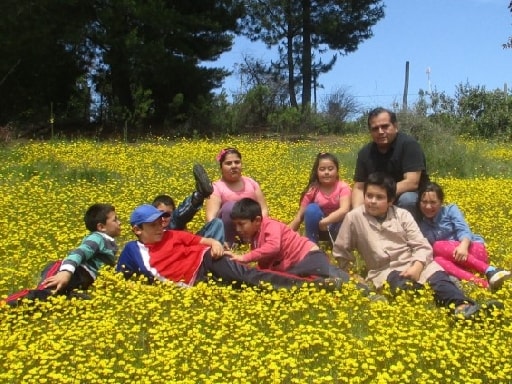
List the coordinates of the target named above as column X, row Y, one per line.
column 231, row 188
column 325, row 201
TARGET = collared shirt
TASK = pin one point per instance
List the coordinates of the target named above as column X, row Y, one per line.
column 391, row 245
column 448, row 224
column 404, row 155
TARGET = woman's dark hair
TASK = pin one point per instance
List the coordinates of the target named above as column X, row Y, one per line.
column 430, row 187
column 227, row 151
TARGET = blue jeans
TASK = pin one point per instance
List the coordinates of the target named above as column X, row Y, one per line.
column 408, row 200
column 312, row 216
column 185, row 212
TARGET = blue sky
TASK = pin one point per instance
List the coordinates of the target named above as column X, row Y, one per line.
column 459, row 40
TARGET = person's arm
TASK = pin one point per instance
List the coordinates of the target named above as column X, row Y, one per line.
column 337, row 215
column 260, row 198
column 89, row 247
column 414, row 271
column 344, row 245
column 297, row 220
column 269, row 243
column 213, row 205
column 460, row 253
column 216, row 248
column 358, row 194
column 420, row 247
column 410, row 183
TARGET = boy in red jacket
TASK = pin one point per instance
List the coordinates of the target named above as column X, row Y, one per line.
column 276, row 247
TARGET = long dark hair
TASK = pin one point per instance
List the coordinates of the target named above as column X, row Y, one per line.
column 313, row 176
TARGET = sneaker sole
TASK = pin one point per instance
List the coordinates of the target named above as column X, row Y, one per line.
column 496, row 282
column 203, row 183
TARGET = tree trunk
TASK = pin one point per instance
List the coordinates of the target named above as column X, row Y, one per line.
column 306, row 53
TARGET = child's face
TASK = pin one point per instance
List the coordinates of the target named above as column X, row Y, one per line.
column 150, row 233
column 430, row 204
column 231, row 167
column 246, row 228
column 376, row 201
column 327, row 172
column 165, row 208
column 112, row 226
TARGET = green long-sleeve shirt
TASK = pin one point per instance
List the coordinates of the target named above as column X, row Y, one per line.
column 95, row 250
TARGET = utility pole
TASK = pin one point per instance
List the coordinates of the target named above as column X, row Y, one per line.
column 406, row 86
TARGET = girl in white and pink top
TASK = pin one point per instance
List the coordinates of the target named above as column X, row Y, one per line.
column 231, row 188
column 326, row 200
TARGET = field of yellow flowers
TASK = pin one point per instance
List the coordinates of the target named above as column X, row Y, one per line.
column 137, row 333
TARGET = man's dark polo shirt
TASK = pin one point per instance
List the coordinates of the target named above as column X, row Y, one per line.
column 404, row 155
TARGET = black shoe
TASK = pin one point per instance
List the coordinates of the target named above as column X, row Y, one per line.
column 493, row 307
column 467, row 311
column 331, row 284
column 203, row 183
column 496, row 278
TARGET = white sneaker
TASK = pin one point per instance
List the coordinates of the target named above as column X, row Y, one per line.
column 497, row 277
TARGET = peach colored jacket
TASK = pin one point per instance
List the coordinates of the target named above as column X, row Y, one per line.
column 392, row 245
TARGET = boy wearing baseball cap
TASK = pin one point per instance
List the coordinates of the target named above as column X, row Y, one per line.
column 185, row 258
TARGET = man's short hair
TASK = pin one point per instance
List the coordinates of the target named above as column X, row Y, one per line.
column 246, row 209
column 382, row 180
column 97, row 214
column 377, row 111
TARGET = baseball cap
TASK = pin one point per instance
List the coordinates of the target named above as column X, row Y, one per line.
column 146, row 213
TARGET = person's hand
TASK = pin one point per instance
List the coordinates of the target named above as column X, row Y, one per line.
column 322, row 225
column 460, row 253
column 236, row 257
column 58, row 281
column 217, row 250
column 413, row 272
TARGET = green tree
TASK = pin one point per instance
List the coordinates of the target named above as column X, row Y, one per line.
column 302, row 27
column 42, row 58
column 158, row 46
column 508, row 44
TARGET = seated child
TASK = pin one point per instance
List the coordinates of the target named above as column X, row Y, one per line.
column 458, row 250
column 183, row 257
column 180, row 217
column 80, row 267
column 394, row 250
column 277, row 247
column 325, row 201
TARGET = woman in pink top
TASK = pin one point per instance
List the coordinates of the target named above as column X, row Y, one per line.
column 231, row 188
column 325, row 201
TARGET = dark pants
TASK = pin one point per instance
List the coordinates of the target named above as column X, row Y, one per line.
column 316, row 263
column 445, row 291
column 230, row 272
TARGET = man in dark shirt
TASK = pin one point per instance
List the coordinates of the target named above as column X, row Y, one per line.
column 393, row 152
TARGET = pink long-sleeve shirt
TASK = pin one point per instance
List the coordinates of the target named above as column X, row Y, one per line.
column 276, row 246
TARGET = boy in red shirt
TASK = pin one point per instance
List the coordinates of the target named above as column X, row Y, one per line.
column 185, row 258
column 275, row 246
